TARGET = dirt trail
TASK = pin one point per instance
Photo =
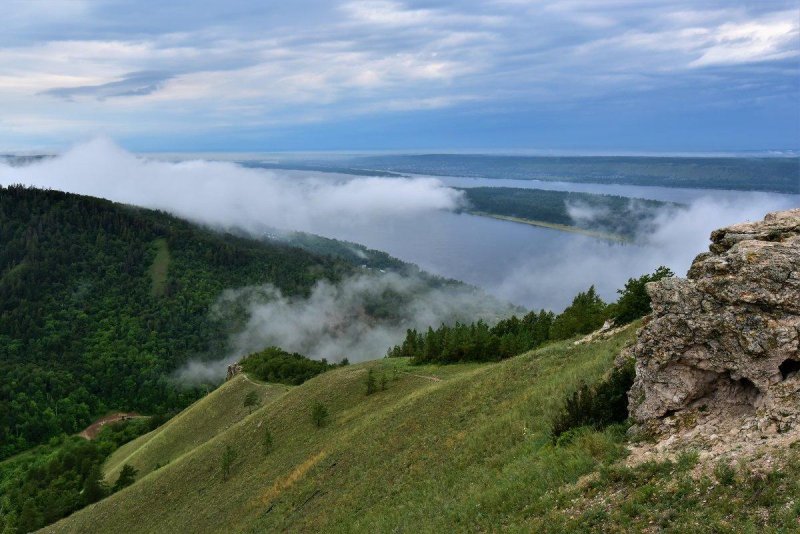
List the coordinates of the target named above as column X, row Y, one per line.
column 91, row 431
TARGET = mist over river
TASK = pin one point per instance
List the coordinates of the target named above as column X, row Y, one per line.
column 415, row 219
column 543, row 268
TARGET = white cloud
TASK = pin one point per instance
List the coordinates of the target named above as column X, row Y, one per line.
column 756, row 41
column 228, row 195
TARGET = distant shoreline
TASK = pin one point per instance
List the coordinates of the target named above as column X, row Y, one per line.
column 555, row 226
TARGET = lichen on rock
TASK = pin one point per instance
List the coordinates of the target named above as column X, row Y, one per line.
column 723, row 342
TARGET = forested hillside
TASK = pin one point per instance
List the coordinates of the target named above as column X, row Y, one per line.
column 605, row 213
column 99, row 302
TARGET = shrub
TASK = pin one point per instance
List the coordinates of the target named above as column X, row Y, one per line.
column 267, row 442
column 126, row 477
column 597, row 406
column 250, row 400
column 371, row 384
column 227, row 460
column 725, row 473
column 274, row 364
column 319, row 414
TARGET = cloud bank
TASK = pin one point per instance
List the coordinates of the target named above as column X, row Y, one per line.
column 203, row 68
column 226, row 194
column 528, row 266
column 358, row 319
column 673, row 238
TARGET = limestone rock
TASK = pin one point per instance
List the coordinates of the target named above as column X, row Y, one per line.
column 233, row 370
column 724, row 341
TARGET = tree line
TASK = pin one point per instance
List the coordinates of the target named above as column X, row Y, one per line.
column 480, row 342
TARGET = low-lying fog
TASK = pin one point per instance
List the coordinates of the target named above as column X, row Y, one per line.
column 411, row 218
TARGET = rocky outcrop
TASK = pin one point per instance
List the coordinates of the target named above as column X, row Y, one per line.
column 233, row 370
column 722, row 344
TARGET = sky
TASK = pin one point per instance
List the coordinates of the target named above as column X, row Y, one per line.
column 607, row 75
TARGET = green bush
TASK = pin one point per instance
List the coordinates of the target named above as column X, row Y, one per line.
column 596, row 406
column 274, row 364
column 319, row 414
column 127, row 476
column 634, row 302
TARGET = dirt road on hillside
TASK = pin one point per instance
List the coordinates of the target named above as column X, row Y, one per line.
column 91, row 431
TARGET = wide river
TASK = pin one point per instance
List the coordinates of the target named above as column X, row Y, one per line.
column 539, row 267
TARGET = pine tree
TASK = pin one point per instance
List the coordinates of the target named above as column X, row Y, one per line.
column 370, row 382
column 94, row 488
column 126, row 477
column 267, row 441
column 30, row 517
column 228, row 458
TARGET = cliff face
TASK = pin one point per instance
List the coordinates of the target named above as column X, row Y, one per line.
column 721, row 347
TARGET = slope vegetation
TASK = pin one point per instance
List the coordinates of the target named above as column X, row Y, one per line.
column 443, row 448
column 607, row 216
column 463, row 445
column 203, row 420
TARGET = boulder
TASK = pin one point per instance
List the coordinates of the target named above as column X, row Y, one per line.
column 725, row 339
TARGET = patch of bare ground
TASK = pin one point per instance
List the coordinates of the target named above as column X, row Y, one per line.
column 91, row 431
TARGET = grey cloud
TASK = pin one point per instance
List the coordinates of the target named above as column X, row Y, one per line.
column 133, row 84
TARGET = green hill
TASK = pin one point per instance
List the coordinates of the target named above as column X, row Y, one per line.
column 413, row 456
column 100, row 302
column 443, row 448
column 206, row 418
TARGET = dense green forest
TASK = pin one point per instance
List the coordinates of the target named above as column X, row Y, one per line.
column 100, row 302
column 511, row 336
column 618, row 215
column 46, row 483
column 778, row 175
column 274, row 364
column 353, row 253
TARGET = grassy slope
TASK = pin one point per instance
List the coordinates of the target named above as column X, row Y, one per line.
column 469, row 452
column 160, row 267
column 192, row 427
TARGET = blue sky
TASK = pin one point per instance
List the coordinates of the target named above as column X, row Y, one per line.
column 593, row 75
